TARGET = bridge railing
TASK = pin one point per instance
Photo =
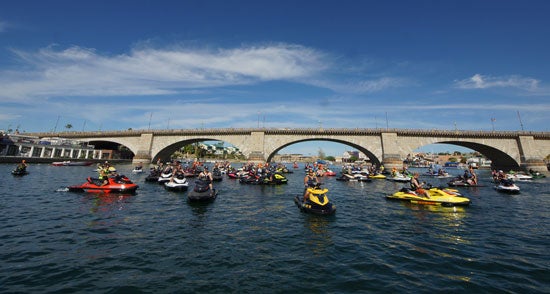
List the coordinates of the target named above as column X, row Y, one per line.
column 297, row 131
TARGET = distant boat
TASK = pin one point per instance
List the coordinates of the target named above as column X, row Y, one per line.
column 72, row 163
column 452, row 164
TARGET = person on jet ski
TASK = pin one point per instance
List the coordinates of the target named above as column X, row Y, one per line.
column 178, row 173
column 104, row 177
column 22, row 166
column 206, row 176
column 417, row 186
column 473, row 177
column 310, row 180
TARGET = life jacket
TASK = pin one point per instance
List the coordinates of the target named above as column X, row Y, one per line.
column 413, row 185
column 310, row 180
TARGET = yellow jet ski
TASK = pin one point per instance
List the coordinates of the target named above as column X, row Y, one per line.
column 377, row 176
column 442, row 197
column 317, row 202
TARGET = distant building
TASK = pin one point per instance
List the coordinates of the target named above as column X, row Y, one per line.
column 31, row 146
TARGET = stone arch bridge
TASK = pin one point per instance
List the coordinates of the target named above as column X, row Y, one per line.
column 506, row 149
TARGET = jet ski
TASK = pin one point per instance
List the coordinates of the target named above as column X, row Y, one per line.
column 317, row 202
column 19, row 172
column 217, row 175
column 251, row 179
column 536, row 174
column 355, row 177
column 153, row 176
column 346, row 178
column 179, row 183
column 461, row 182
column 118, row 184
column 275, row 179
column 398, row 177
column 519, row 177
column 442, row 197
column 201, row 192
column 164, row 177
column 377, row 176
column 507, row 186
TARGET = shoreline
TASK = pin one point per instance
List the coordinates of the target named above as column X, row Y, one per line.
column 18, row 159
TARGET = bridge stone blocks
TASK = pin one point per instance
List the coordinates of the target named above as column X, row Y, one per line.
column 507, row 150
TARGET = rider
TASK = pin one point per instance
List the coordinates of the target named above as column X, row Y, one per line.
column 22, row 166
column 310, row 180
column 473, row 176
column 178, row 173
column 206, row 176
column 417, row 186
column 104, row 177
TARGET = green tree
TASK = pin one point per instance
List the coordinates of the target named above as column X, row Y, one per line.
column 68, row 126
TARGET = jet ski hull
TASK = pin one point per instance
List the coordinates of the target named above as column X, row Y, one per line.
column 437, row 197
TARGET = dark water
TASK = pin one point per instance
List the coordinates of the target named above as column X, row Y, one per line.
column 254, row 239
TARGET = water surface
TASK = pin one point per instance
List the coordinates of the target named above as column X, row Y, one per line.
column 253, row 238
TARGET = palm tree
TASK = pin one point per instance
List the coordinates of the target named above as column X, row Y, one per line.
column 68, row 126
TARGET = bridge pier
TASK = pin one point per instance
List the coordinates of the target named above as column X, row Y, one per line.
column 532, row 164
column 143, row 154
column 531, row 155
column 392, row 160
column 144, row 159
column 256, row 156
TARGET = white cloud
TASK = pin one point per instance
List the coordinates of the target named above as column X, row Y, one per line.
column 361, row 87
column 80, row 71
column 479, row 81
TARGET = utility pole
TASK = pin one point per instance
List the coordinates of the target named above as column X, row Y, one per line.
column 55, row 128
column 520, row 122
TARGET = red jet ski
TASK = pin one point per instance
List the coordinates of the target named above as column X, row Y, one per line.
column 118, row 184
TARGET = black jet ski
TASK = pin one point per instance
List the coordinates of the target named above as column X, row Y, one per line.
column 19, row 172
column 217, row 175
column 153, row 176
column 201, row 192
column 461, row 182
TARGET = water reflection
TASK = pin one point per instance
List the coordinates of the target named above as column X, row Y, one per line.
column 104, row 203
column 199, row 211
column 321, row 238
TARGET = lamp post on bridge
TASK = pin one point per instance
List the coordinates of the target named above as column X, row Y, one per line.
column 493, row 123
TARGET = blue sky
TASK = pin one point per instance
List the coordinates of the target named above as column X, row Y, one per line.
column 114, row 65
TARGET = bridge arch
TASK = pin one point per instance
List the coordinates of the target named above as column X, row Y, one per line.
column 502, row 159
column 174, row 144
column 369, row 154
